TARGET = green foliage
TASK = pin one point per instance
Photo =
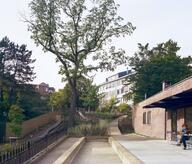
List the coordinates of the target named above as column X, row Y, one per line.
column 124, row 108
column 32, row 103
column 15, row 63
column 88, row 97
column 153, row 66
column 102, row 115
column 98, row 129
column 75, row 32
column 15, row 70
column 15, row 119
column 7, row 147
column 109, row 106
column 60, row 100
column 88, row 94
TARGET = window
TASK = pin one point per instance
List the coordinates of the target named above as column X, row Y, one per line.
column 117, row 91
column 149, row 117
column 144, row 118
column 122, row 90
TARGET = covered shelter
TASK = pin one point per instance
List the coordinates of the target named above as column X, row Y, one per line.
column 171, row 107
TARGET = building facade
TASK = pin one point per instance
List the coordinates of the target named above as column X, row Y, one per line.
column 44, row 88
column 163, row 114
column 115, row 86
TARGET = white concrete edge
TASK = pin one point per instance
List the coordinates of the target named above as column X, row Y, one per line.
column 125, row 156
column 68, row 156
column 44, row 151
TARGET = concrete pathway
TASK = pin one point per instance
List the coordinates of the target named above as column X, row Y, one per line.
column 96, row 152
column 155, row 151
column 113, row 128
column 55, row 153
column 150, row 150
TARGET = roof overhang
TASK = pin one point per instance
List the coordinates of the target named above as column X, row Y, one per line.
column 181, row 100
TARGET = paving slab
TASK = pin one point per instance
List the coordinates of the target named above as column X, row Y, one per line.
column 157, row 151
column 97, row 152
column 56, row 152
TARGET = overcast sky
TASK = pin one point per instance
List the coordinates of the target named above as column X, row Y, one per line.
column 156, row 21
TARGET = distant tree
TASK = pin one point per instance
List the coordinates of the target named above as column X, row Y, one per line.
column 15, row 119
column 88, row 94
column 153, row 66
column 31, row 101
column 75, row 31
column 88, row 97
column 60, row 100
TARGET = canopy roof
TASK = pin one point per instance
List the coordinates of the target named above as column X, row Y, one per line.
column 176, row 96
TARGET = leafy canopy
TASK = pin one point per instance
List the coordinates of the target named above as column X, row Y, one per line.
column 75, row 30
column 153, row 66
column 16, row 117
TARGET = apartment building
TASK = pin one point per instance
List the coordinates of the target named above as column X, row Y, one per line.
column 115, row 86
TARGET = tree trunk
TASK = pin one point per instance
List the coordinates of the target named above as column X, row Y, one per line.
column 1, row 94
column 72, row 106
column 2, row 117
column 11, row 96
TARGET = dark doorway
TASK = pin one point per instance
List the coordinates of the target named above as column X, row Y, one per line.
column 174, row 125
column 188, row 118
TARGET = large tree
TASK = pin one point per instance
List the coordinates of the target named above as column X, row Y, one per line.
column 15, row 69
column 77, row 30
column 155, row 65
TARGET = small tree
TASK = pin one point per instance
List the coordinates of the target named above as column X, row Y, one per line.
column 15, row 119
column 60, row 100
column 77, row 30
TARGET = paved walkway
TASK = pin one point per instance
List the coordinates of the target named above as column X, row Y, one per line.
column 153, row 151
column 158, row 152
column 55, row 153
column 113, row 128
column 97, row 152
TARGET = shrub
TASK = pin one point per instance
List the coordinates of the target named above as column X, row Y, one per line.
column 102, row 115
column 124, row 108
column 96, row 129
column 125, row 125
column 7, row 147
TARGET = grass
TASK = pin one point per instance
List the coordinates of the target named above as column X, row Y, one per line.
column 102, row 115
column 90, row 129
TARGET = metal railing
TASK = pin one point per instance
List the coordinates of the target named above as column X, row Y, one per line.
column 20, row 153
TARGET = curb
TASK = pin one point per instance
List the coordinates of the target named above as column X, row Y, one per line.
column 68, row 156
column 126, row 156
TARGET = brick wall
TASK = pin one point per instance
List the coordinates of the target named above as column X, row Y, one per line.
column 157, row 126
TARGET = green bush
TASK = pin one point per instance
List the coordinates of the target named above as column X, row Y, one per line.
column 124, row 108
column 7, row 147
column 15, row 119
